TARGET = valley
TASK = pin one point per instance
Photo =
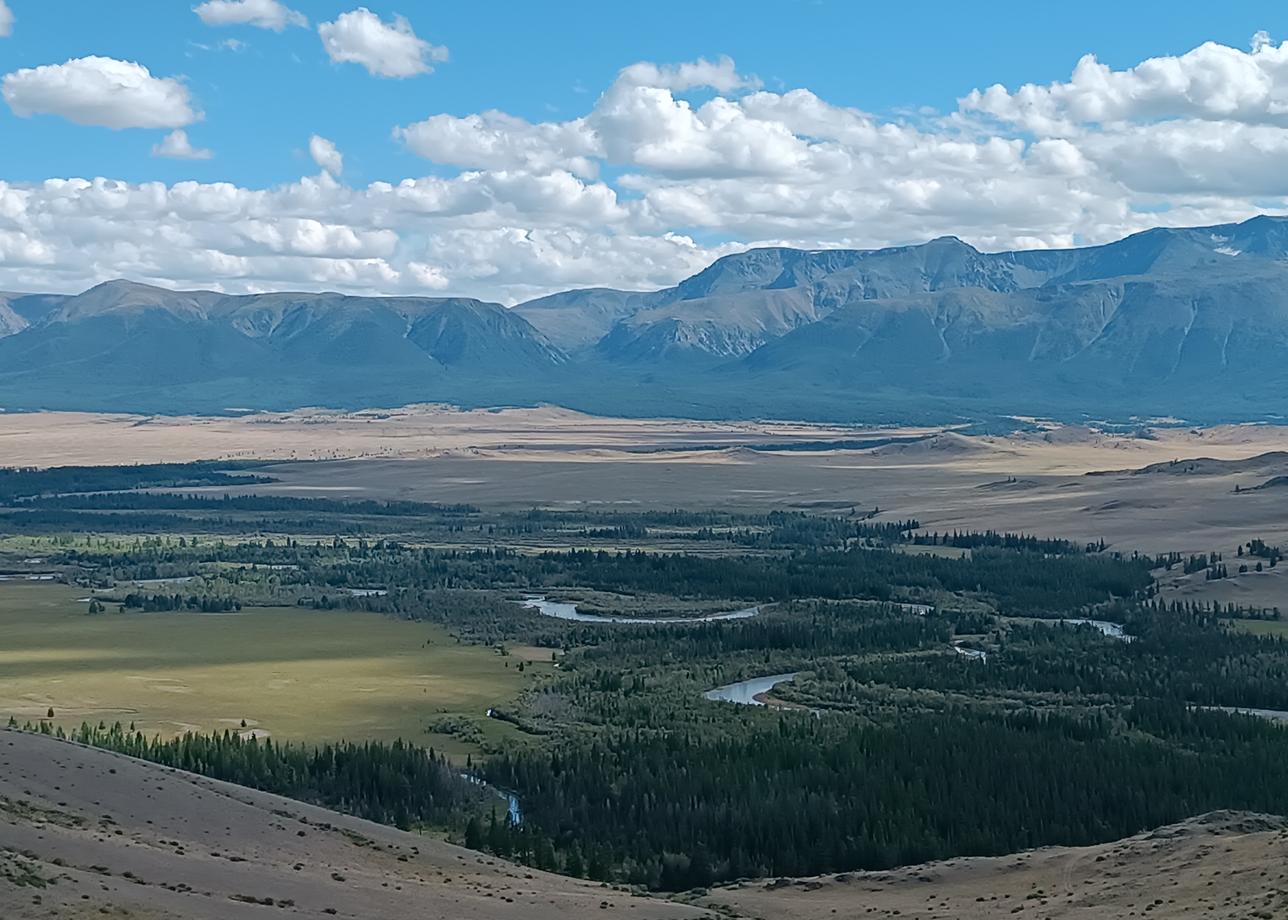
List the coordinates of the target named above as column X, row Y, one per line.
column 239, row 619
column 1086, row 482
column 822, row 461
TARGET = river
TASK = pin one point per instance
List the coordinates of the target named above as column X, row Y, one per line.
column 746, row 691
column 562, row 611
column 1273, row 715
column 1112, row 630
column 512, row 807
column 973, row 654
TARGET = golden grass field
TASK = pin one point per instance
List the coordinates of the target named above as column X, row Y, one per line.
column 293, row 674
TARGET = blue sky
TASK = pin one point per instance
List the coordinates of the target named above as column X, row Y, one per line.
column 540, row 61
column 588, row 143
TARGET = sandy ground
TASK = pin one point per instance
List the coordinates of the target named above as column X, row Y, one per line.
column 518, row 458
column 1008, row 484
column 111, row 836
column 1221, row 866
column 430, row 431
column 79, row 438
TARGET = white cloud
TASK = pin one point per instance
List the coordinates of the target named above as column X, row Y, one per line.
column 265, row 14
column 326, row 155
column 6, row 20
column 721, row 76
column 176, row 146
column 385, row 49
column 495, row 140
column 672, row 166
column 1213, row 82
column 100, row 91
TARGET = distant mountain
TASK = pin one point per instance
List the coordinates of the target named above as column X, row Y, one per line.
column 174, row 350
column 1191, row 322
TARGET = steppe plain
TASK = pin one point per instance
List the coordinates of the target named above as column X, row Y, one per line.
column 1083, row 482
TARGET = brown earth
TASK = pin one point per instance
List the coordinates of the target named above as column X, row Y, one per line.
column 88, row 833
column 1220, row 866
column 1170, row 490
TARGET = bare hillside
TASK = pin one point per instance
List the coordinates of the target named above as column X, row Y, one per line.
column 1218, row 866
column 88, row 833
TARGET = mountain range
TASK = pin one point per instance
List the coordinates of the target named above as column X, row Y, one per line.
column 1188, row 322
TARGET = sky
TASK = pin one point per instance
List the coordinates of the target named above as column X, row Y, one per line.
column 504, row 150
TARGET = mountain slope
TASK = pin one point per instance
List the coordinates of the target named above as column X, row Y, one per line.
column 573, row 320
column 256, row 349
column 1190, row 322
column 743, row 301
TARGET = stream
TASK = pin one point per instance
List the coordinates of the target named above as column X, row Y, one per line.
column 562, row 611
column 512, row 807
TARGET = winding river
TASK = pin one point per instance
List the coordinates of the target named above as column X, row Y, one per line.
column 745, row 692
column 562, row 611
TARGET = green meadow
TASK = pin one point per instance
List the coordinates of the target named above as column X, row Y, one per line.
column 293, row 674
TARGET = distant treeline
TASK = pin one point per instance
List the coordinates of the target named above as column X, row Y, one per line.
column 1177, row 653
column 174, row 501
column 1017, row 582
column 399, row 783
column 155, row 603
column 27, row 482
column 683, row 809
column 1013, row 582
column 806, row 629
column 972, row 539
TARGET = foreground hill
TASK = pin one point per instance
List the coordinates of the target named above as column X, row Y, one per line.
column 87, row 833
column 1190, row 322
column 1219, row 866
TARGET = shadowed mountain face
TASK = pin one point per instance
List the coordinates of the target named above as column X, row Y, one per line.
column 1189, row 322
column 189, row 350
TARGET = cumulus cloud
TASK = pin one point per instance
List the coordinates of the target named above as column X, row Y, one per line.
column 1212, row 82
column 386, row 49
column 265, row 14
column 176, row 146
column 495, row 140
column 326, row 155
column 721, row 75
column 100, row 91
column 6, row 20
column 671, row 166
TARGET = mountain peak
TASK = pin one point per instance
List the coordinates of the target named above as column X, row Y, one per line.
column 122, row 295
column 124, row 284
column 951, row 240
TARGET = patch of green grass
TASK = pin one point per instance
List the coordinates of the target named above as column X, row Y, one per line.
column 1262, row 627
column 295, row 674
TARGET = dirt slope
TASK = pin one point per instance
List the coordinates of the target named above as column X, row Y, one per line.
column 87, row 833
column 1219, row 866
